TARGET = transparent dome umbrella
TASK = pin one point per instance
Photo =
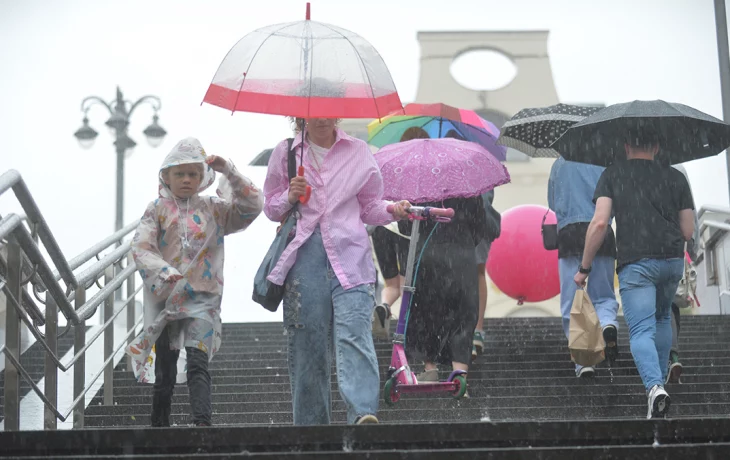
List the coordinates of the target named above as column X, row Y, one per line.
column 304, row 69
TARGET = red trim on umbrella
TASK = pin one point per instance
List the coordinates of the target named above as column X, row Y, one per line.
column 434, row 110
column 302, row 106
column 307, row 16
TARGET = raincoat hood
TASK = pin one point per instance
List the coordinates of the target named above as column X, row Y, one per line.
column 187, row 151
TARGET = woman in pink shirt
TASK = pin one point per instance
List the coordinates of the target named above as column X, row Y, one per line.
column 328, row 270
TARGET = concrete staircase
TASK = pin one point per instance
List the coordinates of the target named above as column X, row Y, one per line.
column 525, row 403
column 525, row 374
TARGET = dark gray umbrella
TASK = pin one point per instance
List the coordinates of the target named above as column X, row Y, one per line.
column 533, row 130
column 683, row 133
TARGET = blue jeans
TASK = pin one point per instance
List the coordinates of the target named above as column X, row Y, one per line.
column 320, row 315
column 647, row 289
column 600, row 290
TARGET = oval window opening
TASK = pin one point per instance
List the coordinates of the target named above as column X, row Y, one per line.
column 483, row 70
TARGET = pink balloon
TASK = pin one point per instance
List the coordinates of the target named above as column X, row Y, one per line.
column 518, row 264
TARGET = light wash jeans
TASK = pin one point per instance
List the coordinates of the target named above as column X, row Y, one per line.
column 600, row 290
column 647, row 289
column 320, row 315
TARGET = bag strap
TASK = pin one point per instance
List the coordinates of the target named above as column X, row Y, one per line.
column 291, row 159
column 545, row 216
column 291, row 163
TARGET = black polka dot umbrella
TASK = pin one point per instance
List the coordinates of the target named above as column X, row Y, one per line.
column 532, row 131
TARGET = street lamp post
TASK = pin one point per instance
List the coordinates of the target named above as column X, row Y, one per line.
column 724, row 62
column 120, row 111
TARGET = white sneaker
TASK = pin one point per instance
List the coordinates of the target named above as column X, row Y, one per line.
column 658, row 402
column 381, row 322
column 585, row 372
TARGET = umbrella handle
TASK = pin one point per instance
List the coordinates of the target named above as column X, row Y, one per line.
column 304, row 198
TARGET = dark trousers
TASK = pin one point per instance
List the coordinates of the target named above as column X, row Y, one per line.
column 199, row 384
column 675, row 328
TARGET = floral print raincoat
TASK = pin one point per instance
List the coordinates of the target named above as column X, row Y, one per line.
column 185, row 237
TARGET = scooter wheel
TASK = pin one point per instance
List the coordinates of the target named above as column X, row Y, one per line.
column 460, row 390
column 390, row 395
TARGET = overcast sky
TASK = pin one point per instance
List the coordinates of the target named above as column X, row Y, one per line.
column 55, row 53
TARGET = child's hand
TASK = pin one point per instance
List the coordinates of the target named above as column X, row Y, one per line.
column 217, row 163
column 174, row 278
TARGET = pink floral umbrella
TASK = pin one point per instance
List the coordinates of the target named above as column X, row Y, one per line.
column 425, row 170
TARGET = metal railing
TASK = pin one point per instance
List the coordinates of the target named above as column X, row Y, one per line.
column 25, row 268
column 713, row 229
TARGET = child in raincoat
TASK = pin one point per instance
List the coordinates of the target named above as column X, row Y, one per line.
column 178, row 249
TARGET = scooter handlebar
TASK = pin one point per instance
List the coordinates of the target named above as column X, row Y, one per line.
column 427, row 212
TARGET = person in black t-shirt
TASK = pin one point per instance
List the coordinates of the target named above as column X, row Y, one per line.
column 653, row 208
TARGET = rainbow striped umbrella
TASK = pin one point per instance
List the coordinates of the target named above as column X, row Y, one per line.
column 437, row 120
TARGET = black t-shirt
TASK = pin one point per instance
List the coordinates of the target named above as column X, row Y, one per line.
column 572, row 241
column 647, row 198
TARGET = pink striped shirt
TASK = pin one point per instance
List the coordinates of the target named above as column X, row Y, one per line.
column 346, row 194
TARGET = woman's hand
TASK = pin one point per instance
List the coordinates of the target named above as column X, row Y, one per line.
column 297, row 188
column 400, row 209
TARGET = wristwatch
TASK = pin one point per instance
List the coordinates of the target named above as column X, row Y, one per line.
column 585, row 271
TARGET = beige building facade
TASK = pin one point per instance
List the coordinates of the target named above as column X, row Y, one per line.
column 532, row 86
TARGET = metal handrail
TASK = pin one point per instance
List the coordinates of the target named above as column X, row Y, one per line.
column 91, row 252
column 710, row 208
column 12, row 225
column 78, row 354
column 714, row 224
column 92, row 273
column 89, row 308
column 12, row 179
column 23, row 251
column 38, row 317
column 63, row 417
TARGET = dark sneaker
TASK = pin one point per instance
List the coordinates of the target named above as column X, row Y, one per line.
column 585, row 372
column 478, row 341
column 658, row 402
column 610, row 336
column 675, row 368
column 381, row 322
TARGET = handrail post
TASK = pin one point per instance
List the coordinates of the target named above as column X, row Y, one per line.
column 80, row 366
column 109, row 340
column 12, row 338
column 131, row 310
column 50, row 422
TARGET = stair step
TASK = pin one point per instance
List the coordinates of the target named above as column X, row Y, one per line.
column 590, row 439
column 524, row 374
column 676, row 391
